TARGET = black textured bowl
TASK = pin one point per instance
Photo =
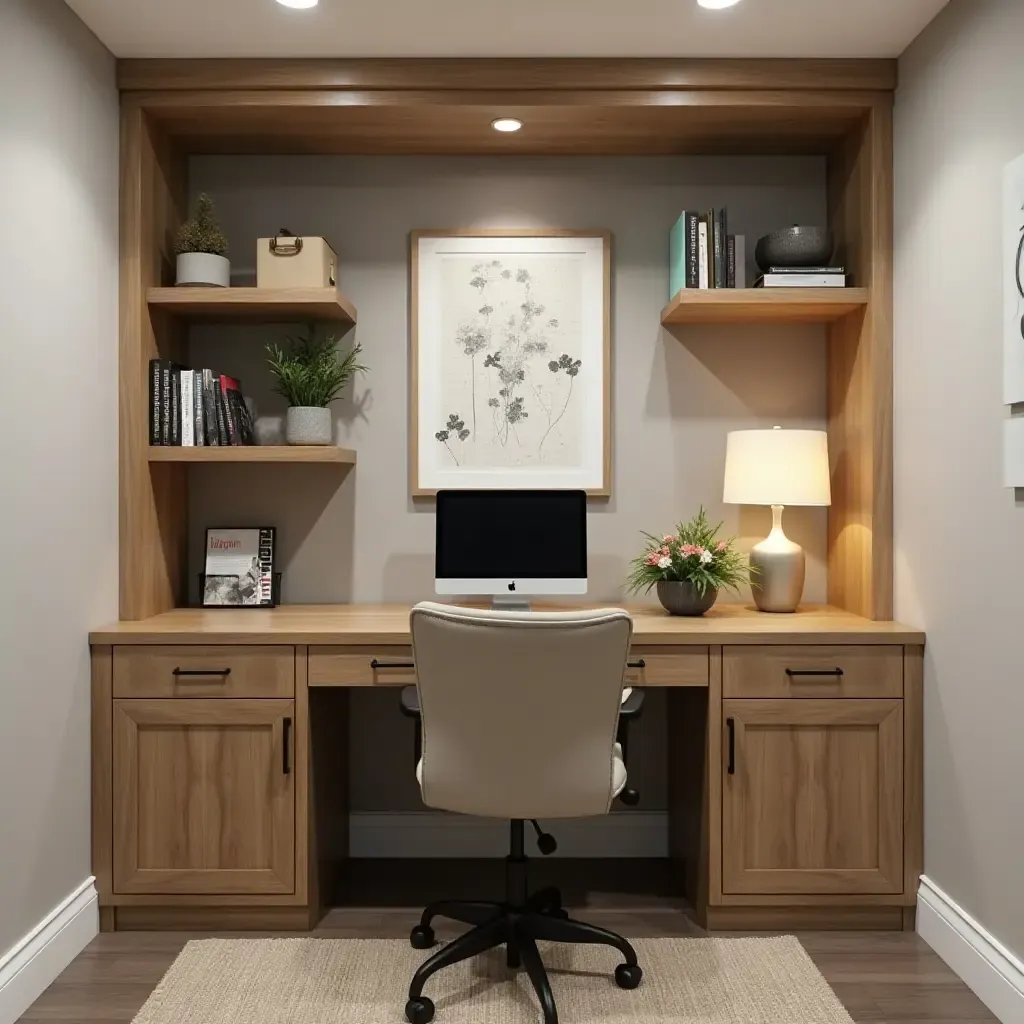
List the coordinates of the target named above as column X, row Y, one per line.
column 795, row 247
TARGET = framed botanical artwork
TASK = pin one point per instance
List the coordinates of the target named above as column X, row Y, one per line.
column 511, row 360
column 1013, row 282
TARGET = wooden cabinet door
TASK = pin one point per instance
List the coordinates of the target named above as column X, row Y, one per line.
column 812, row 796
column 204, row 800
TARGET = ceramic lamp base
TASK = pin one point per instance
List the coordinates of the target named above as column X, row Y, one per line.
column 779, row 566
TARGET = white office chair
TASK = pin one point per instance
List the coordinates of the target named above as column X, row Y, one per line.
column 519, row 718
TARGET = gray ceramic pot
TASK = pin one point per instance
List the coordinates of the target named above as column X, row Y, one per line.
column 309, row 425
column 679, row 597
column 795, row 247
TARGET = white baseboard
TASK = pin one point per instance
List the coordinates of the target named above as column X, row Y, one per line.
column 435, row 834
column 33, row 962
column 988, row 968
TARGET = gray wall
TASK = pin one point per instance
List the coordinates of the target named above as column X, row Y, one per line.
column 959, row 558
column 58, row 393
column 674, row 397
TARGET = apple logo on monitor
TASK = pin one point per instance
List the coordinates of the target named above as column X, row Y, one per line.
column 512, row 585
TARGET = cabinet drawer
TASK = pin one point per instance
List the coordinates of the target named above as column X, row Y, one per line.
column 361, row 666
column 812, row 671
column 393, row 666
column 225, row 671
column 652, row 666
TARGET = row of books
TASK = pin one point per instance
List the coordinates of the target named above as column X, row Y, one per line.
column 702, row 253
column 196, row 407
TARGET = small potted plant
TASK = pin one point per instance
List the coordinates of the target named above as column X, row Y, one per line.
column 309, row 375
column 201, row 248
column 689, row 567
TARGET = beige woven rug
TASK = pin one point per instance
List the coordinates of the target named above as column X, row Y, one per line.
column 364, row 981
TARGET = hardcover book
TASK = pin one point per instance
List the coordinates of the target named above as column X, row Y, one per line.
column 155, row 391
column 198, row 407
column 239, row 567
column 702, row 264
column 684, row 254
column 210, row 421
column 188, row 428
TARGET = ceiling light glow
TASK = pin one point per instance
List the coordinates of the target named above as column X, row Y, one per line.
column 298, row 4
column 717, row 5
column 507, row 124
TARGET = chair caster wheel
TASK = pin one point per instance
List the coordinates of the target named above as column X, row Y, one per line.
column 419, row 1011
column 422, row 937
column 627, row 976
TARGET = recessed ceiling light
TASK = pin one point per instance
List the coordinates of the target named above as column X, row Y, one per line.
column 298, row 4
column 717, row 5
column 507, row 124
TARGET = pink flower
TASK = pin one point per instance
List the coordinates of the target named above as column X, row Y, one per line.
column 652, row 558
column 689, row 550
column 721, row 546
column 667, row 539
column 666, row 551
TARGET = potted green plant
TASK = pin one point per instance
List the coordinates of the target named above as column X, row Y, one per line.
column 201, row 248
column 689, row 567
column 309, row 375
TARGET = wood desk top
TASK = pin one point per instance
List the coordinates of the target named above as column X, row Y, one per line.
column 345, row 624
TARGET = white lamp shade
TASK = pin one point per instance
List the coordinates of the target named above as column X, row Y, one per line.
column 777, row 467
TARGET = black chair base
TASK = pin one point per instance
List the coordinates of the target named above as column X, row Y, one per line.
column 518, row 929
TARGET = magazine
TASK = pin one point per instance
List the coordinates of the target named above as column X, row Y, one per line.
column 239, row 567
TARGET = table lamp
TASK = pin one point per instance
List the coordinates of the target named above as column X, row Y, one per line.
column 777, row 467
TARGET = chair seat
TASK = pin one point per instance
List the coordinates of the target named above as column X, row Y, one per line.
column 618, row 770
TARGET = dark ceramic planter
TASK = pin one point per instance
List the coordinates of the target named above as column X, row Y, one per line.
column 795, row 247
column 681, row 598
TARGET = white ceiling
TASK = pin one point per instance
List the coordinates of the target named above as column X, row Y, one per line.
column 522, row 28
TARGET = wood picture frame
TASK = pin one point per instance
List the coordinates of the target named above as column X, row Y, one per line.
column 558, row 345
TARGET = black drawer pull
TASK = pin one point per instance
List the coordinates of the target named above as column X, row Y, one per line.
column 795, row 673
column 730, row 724
column 286, row 761
column 375, row 664
column 639, row 663
column 201, row 672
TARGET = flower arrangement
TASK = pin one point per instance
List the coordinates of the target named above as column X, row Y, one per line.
column 693, row 555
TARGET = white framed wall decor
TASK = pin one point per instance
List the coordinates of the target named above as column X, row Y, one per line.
column 1013, row 282
column 510, row 360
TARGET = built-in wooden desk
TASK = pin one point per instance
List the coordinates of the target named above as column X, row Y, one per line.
column 220, row 789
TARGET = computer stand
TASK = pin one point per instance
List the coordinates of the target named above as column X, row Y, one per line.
column 509, row 603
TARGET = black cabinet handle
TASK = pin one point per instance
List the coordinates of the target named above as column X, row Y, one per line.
column 639, row 663
column 375, row 664
column 794, row 673
column 201, row 672
column 286, row 761
column 730, row 724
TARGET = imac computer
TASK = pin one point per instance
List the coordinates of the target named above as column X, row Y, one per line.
column 511, row 544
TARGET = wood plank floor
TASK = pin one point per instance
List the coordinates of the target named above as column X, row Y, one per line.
column 880, row 977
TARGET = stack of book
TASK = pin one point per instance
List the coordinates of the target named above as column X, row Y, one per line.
column 196, row 407
column 702, row 253
column 802, row 277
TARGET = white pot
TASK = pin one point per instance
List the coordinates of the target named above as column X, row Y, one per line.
column 309, row 425
column 204, row 269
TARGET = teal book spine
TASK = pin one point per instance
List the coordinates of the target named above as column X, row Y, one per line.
column 677, row 257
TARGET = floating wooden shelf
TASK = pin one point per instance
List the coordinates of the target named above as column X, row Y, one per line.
column 270, row 305
column 763, row 305
column 322, row 454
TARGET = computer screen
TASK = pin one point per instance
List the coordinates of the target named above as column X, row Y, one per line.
column 491, row 542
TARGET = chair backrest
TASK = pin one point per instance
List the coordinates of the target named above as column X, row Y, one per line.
column 519, row 709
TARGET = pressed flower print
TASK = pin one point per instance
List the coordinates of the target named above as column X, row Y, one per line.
column 511, row 348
